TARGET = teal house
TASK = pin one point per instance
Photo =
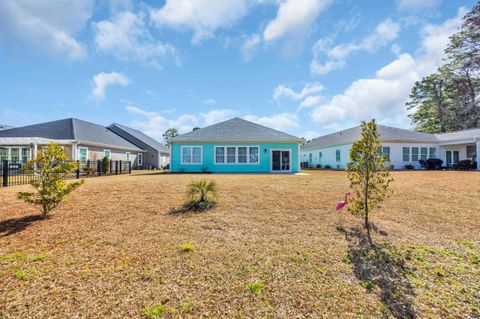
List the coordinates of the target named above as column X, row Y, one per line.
column 235, row 146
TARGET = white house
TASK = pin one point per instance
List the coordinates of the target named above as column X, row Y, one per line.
column 401, row 146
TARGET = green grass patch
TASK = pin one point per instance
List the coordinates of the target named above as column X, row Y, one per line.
column 256, row 287
column 153, row 312
column 187, row 247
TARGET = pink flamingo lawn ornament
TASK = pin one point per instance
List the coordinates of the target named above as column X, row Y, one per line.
column 343, row 202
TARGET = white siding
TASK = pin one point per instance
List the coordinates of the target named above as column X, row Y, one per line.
column 396, row 155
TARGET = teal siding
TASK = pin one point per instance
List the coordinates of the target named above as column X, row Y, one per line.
column 208, row 161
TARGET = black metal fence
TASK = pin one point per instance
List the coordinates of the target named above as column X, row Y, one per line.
column 13, row 173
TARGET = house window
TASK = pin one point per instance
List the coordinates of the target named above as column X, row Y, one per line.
column 127, row 156
column 107, row 153
column 253, row 154
column 236, row 154
column 220, row 155
column 471, row 151
column 140, row 159
column 414, row 154
column 424, row 153
column 433, row 152
column 82, row 154
column 242, row 155
column 386, row 153
column 231, row 155
column 406, row 154
column 320, row 157
column 3, row 154
column 15, row 154
column 25, row 154
column 337, row 155
column 191, row 155
column 310, row 159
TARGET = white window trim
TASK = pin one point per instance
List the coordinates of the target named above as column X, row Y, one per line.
column 84, row 148
column 201, row 154
column 236, row 154
column 110, row 157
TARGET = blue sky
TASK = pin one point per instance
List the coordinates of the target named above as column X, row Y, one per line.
column 307, row 67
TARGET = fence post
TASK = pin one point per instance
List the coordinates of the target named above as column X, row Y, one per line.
column 121, row 166
column 78, row 169
column 116, row 167
column 5, row 173
column 129, row 167
column 99, row 167
column 111, row 167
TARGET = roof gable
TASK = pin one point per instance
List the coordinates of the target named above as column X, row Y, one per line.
column 235, row 129
column 71, row 129
column 125, row 132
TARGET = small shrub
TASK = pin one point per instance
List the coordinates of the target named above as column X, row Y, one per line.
column 105, row 165
column 89, row 170
column 391, row 167
column 328, row 167
column 319, row 166
column 187, row 247
column 409, row 166
column 153, row 312
column 256, row 287
column 205, row 169
column 51, row 168
column 202, row 194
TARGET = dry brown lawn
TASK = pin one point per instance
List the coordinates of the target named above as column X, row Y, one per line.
column 273, row 248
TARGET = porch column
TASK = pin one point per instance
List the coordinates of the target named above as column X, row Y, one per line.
column 477, row 153
column 34, row 151
column 74, row 151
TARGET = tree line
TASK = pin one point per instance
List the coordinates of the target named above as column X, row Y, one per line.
column 448, row 100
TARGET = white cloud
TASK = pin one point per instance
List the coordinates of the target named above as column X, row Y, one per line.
column 126, row 37
column 416, row 5
column 284, row 91
column 311, row 101
column 216, row 116
column 201, row 17
column 249, row 46
column 102, row 80
column 327, row 67
column 282, row 121
column 385, row 32
column 47, row 25
column 383, row 96
column 210, row 101
column 154, row 124
column 294, row 17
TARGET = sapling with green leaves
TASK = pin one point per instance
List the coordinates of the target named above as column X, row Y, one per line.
column 368, row 174
column 50, row 168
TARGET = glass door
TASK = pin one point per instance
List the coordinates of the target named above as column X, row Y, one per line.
column 280, row 161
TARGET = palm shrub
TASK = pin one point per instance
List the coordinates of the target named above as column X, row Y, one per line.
column 368, row 174
column 202, row 194
column 50, row 169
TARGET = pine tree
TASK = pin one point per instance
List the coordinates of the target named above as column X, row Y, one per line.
column 368, row 174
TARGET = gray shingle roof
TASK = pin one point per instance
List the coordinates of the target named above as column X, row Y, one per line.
column 5, row 127
column 459, row 135
column 387, row 134
column 136, row 134
column 71, row 129
column 235, row 129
